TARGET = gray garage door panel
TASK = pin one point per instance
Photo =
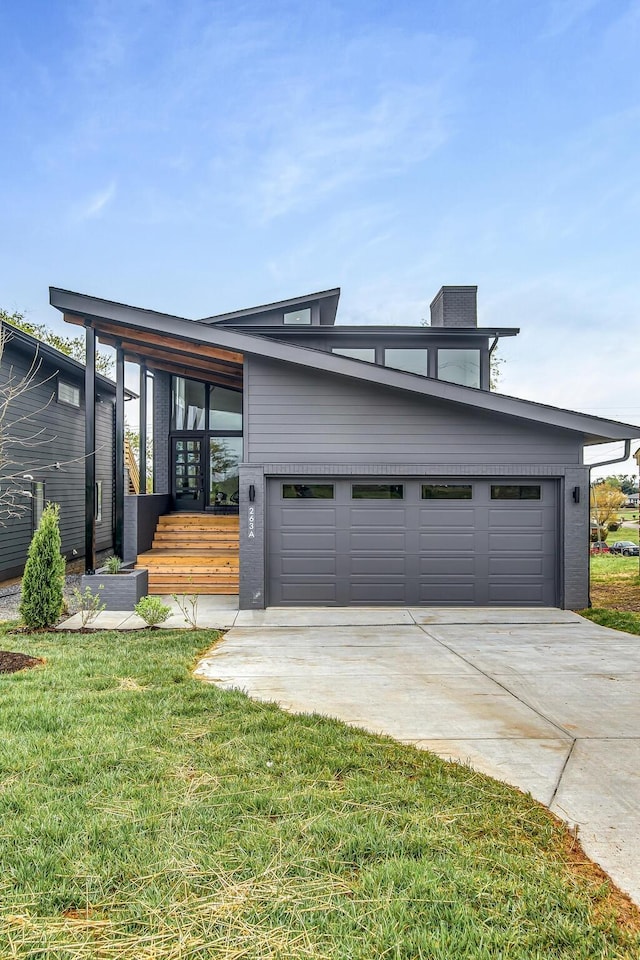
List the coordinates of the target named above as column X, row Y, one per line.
column 412, row 551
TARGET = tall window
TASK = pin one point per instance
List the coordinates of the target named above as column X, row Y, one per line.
column 98, row 501
column 37, row 501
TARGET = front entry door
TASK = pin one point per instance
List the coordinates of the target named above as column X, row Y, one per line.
column 188, row 473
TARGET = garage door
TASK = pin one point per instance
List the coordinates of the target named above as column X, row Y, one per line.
column 459, row 542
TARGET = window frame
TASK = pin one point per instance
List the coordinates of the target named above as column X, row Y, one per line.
column 72, row 387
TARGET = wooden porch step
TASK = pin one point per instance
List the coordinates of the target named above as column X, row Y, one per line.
column 197, row 520
column 194, row 553
column 181, row 560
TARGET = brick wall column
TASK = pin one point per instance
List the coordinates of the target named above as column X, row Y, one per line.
column 252, row 538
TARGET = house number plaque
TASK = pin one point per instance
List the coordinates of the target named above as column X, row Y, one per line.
column 252, row 524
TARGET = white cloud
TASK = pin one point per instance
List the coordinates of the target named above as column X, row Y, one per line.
column 96, row 204
column 564, row 14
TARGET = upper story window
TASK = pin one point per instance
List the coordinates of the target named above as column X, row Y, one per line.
column 356, row 353
column 299, row 317
column 459, row 366
column 67, row 393
column 411, row 361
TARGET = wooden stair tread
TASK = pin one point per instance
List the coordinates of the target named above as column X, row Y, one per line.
column 193, row 553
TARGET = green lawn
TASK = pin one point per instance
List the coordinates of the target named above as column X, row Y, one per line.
column 148, row 816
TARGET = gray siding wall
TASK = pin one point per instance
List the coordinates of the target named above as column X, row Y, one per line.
column 301, row 422
column 61, row 441
column 312, row 417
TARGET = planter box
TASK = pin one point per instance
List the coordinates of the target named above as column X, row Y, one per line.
column 120, row 591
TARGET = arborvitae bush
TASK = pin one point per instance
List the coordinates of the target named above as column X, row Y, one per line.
column 42, row 600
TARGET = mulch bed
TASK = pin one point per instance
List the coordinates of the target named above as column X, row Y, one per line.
column 12, row 662
column 616, row 596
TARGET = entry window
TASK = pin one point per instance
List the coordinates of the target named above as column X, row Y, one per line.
column 515, row 491
column 299, row 317
column 412, row 361
column 377, row 491
column 225, row 409
column 356, row 353
column 447, row 491
column 307, row 491
column 459, row 366
column 187, row 404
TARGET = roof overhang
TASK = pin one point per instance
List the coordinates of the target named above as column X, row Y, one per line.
column 193, row 339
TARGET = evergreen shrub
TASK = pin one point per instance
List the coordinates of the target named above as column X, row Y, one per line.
column 42, row 599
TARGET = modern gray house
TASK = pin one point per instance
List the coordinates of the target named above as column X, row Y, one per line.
column 308, row 462
column 43, row 449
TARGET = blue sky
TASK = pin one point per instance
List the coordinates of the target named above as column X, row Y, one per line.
column 199, row 156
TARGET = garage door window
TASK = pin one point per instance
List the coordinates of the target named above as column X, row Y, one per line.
column 307, row 491
column 377, row 491
column 447, row 491
column 515, row 491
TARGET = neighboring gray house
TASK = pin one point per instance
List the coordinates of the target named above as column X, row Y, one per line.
column 48, row 419
column 366, row 464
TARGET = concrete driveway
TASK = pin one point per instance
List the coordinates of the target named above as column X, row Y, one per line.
column 541, row 699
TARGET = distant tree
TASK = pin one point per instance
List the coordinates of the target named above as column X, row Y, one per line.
column 626, row 484
column 605, row 504
column 73, row 347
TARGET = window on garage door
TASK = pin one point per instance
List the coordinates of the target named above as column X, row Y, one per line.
column 377, row 491
column 447, row 491
column 515, row 491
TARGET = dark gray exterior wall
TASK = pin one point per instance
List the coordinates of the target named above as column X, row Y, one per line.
column 301, row 422
column 141, row 515
column 61, row 441
column 308, row 417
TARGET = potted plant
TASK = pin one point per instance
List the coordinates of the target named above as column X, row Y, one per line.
column 120, row 586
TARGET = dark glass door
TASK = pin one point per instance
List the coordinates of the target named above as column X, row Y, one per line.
column 188, row 473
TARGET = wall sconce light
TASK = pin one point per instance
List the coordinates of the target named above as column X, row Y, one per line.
column 252, row 492
column 576, row 494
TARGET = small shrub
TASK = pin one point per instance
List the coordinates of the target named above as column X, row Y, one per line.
column 152, row 610
column 88, row 603
column 41, row 600
column 113, row 565
column 188, row 604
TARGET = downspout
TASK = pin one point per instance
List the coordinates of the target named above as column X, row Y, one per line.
column 605, row 463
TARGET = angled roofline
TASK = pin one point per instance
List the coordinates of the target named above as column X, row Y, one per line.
column 593, row 429
column 62, row 360
column 279, row 305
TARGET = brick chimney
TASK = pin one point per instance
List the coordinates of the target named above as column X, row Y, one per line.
column 455, row 307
